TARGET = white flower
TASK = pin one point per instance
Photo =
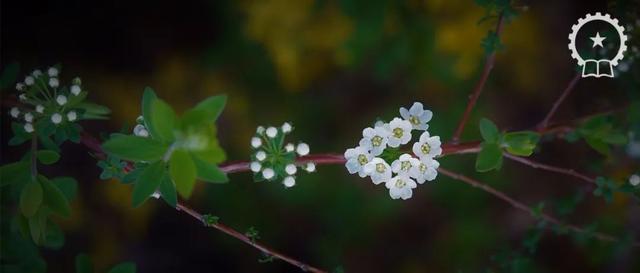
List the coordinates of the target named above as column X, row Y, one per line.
column 289, row 147
column 290, row 169
column 75, row 90
column 289, row 181
column 40, row 108
column 14, row 112
column 357, row 158
column 23, row 97
column 53, row 82
column 302, row 149
column 260, row 130
column 634, row 180
column 272, row 132
column 379, row 170
column 286, row 128
column 53, row 72
column 374, row 140
column 28, row 128
column 28, row 117
column 406, row 165
column 56, row 118
column 36, row 73
column 61, row 100
column 417, row 116
column 426, row 170
column 401, row 187
column 19, row 86
column 261, row 155
column 255, row 166
column 29, row 80
column 71, row 116
column 268, row 173
column 310, row 167
column 400, row 132
column 256, row 142
column 156, row 195
column 427, row 146
column 140, row 131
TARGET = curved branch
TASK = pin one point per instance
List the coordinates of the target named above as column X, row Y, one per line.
column 537, row 165
column 556, row 104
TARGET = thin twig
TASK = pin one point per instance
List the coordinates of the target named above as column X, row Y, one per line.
column 521, row 206
column 556, row 104
column 475, row 94
column 537, row 165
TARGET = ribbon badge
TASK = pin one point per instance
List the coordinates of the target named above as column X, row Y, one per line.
column 592, row 64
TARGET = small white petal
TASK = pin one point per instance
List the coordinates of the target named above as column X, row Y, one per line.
column 75, row 90
column 256, row 142
column 15, row 112
column 36, row 73
column 289, row 181
column 23, row 97
column 290, row 169
column 272, row 132
column 311, row 167
column 61, row 100
column 289, row 147
column 286, row 128
column 19, row 86
column 56, row 118
column 53, row 72
column 40, row 108
column 53, row 82
column 255, row 166
column 302, row 149
column 28, row 128
column 634, row 180
column 28, row 117
column 71, row 116
column 29, row 80
column 260, row 130
column 268, row 173
column 261, row 155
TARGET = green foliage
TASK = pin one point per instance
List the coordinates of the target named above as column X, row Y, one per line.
column 135, row 148
column 605, row 188
column 163, row 119
column 253, row 234
column 48, row 157
column 31, row 198
column 54, row 198
column 183, row 172
column 521, row 143
column 491, row 43
column 14, row 173
column 489, row 157
column 112, row 167
column 148, row 182
column 489, row 131
column 168, row 191
column 599, row 133
column 210, row 220
column 209, row 172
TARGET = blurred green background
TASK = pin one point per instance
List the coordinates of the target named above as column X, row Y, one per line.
column 331, row 68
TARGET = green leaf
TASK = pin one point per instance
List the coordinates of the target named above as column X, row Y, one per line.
column 83, row 264
column 124, row 268
column 168, row 191
column 489, row 131
column 209, row 172
column 163, row 119
column 148, row 97
column 38, row 226
column 67, row 185
column 48, row 157
column 135, row 148
column 213, row 106
column 30, row 198
column 14, row 173
column 489, row 158
column 54, row 198
column 183, row 172
column 598, row 145
column 521, row 143
column 53, row 237
column 93, row 111
column 148, row 182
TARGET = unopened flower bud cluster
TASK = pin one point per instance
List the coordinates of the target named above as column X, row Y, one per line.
column 272, row 159
column 401, row 175
column 42, row 98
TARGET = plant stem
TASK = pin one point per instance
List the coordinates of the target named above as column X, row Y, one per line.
column 537, row 165
column 34, row 156
column 475, row 94
column 556, row 104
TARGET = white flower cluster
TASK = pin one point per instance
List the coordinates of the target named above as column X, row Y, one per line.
column 41, row 92
column 272, row 159
column 401, row 175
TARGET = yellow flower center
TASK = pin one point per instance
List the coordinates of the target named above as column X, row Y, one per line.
column 362, row 159
column 405, row 165
column 414, row 120
column 422, row 168
column 425, row 148
column 400, row 183
column 376, row 141
column 380, row 168
column 398, row 132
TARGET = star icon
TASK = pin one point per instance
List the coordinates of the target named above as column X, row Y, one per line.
column 597, row 40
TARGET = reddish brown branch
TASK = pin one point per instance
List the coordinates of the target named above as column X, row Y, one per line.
column 521, row 206
column 537, row 165
column 475, row 94
column 556, row 104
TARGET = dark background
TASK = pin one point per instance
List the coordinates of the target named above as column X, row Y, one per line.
column 331, row 68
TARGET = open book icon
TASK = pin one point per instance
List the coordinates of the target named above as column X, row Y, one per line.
column 597, row 68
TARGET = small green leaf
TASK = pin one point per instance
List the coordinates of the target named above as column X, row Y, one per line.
column 489, row 131
column 148, row 182
column 30, row 198
column 213, row 106
column 13, row 173
column 183, row 172
column 54, row 198
column 53, row 237
column 163, row 119
column 48, row 157
column 38, row 226
column 168, row 191
column 84, row 264
column 124, row 268
column 598, row 145
column 67, row 185
column 135, row 148
column 148, row 97
column 521, row 143
column 209, row 172
column 489, row 158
